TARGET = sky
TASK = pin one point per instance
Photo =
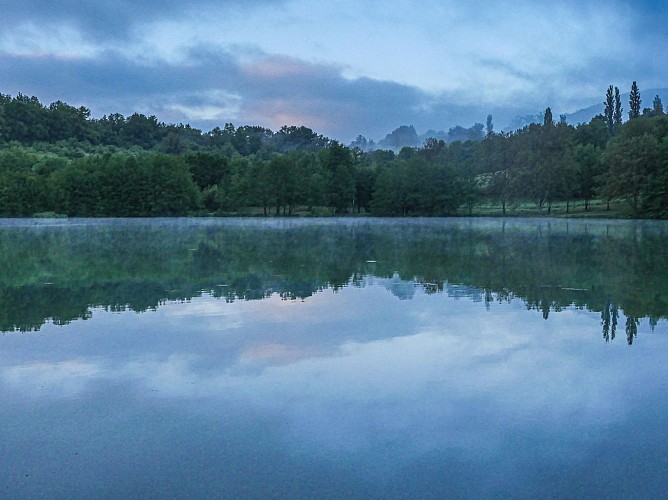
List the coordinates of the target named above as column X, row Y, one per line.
column 340, row 67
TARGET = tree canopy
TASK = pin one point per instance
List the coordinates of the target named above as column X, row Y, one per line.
column 58, row 159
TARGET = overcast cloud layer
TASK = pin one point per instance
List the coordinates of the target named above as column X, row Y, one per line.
column 340, row 67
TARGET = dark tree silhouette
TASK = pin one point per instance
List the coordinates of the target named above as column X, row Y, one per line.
column 609, row 111
column 634, row 102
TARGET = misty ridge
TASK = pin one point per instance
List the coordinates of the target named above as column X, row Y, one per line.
column 407, row 136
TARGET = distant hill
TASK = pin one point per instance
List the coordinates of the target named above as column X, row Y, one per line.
column 407, row 136
column 586, row 114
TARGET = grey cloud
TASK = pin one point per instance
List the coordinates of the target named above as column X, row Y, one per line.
column 109, row 19
column 269, row 90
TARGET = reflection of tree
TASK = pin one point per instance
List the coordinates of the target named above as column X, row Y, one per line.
column 631, row 329
column 609, row 316
column 138, row 265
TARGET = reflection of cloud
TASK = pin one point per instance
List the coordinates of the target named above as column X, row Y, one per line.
column 445, row 374
column 63, row 379
column 217, row 314
column 274, row 354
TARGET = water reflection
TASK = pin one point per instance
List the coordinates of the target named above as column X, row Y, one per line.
column 59, row 271
column 310, row 359
column 349, row 394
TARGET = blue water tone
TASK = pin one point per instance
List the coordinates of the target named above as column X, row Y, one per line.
column 334, row 358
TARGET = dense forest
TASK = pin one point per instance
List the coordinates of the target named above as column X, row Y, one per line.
column 57, row 159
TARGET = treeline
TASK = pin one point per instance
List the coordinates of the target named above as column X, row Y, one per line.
column 58, row 159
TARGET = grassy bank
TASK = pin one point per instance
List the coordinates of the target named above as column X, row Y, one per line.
column 598, row 209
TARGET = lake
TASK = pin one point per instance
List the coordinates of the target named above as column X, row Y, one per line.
column 327, row 358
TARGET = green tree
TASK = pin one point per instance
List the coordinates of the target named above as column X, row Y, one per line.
column 208, row 169
column 630, row 162
column 141, row 130
column 587, row 158
column 173, row 191
column 67, row 122
column 390, row 192
column 109, row 129
column 657, row 106
column 617, row 117
column 338, row 167
column 495, row 157
column 292, row 138
column 248, row 140
column 461, row 162
column 25, row 119
column 655, row 201
column 634, row 102
column 609, row 111
column 242, row 189
column 259, row 186
column 595, row 132
column 80, row 192
column 365, row 178
column 282, row 171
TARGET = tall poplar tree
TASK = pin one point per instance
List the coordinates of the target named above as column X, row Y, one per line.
column 634, row 101
column 618, row 109
column 657, row 106
column 608, row 113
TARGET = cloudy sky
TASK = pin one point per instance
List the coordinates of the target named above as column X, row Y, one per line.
column 341, row 67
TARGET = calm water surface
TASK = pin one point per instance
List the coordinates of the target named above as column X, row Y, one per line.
column 333, row 358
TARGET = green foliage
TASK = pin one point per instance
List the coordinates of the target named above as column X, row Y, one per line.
column 631, row 162
column 57, row 159
column 337, row 163
column 617, row 115
column 655, row 199
column 297, row 139
column 588, row 165
column 634, row 102
column 594, row 133
column 208, row 169
column 657, row 106
column 421, row 183
column 609, row 111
